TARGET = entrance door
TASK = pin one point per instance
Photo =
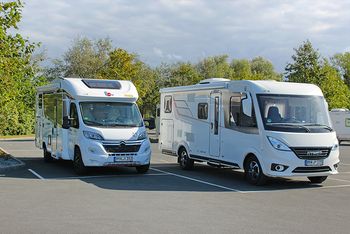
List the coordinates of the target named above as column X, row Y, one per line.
column 214, row 135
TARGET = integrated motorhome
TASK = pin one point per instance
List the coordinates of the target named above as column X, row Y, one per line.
column 94, row 123
column 341, row 123
column 267, row 128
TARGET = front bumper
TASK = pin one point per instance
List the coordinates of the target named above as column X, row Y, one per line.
column 95, row 155
column 296, row 166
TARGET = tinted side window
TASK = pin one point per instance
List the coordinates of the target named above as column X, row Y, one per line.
column 168, row 104
column 40, row 101
column 202, row 110
column 237, row 117
column 74, row 116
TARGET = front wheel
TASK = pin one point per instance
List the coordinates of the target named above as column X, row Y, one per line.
column 185, row 162
column 142, row 169
column 317, row 179
column 78, row 163
column 253, row 171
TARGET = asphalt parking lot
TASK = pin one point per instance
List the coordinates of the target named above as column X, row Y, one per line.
column 50, row 197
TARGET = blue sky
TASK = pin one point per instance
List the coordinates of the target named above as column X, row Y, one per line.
column 189, row 30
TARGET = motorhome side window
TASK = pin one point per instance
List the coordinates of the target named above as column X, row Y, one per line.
column 40, row 101
column 168, row 104
column 202, row 110
column 74, row 116
column 237, row 116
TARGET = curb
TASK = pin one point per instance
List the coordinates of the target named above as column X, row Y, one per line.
column 12, row 167
column 17, row 138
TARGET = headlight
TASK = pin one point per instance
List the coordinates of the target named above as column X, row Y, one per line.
column 92, row 135
column 277, row 144
column 335, row 145
column 142, row 135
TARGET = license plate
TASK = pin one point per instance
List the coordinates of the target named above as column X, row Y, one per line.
column 123, row 159
column 314, row 163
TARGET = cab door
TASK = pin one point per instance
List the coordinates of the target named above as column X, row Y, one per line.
column 214, row 133
column 73, row 130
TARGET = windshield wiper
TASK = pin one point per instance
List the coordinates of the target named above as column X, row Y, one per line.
column 92, row 122
column 320, row 125
column 291, row 125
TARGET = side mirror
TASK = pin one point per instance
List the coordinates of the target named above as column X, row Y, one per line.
column 247, row 106
column 66, row 122
column 149, row 123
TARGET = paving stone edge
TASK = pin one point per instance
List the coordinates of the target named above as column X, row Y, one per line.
column 12, row 167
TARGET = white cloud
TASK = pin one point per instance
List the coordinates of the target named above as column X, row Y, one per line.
column 169, row 30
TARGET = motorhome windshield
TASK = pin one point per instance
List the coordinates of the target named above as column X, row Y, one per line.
column 111, row 114
column 294, row 113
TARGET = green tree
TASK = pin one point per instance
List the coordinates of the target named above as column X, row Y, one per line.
column 216, row 66
column 85, row 58
column 242, row 69
column 342, row 63
column 306, row 65
column 17, row 72
column 333, row 87
column 184, row 74
column 122, row 65
column 262, row 69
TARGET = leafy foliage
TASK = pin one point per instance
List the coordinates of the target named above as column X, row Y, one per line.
column 342, row 63
column 17, row 72
column 308, row 67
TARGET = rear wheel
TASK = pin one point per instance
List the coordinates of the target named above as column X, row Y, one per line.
column 253, row 171
column 78, row 163
column 47, row 155
column 317, row 179
column 185, row 162
column 142, row 169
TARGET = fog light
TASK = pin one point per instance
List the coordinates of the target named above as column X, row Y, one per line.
column 278, row 167
column 336, row 166
column 92, row 150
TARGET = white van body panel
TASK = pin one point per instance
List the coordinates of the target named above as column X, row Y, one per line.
column 181, row 126
column 341, row 123
column 116, row 142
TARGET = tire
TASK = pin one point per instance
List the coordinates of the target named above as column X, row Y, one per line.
column 142, row 169
column 253, row 172
column 47, row 155
column 78, row 163
column 317, row 179
column 185, row 162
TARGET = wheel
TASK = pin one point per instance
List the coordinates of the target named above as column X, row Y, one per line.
column 47, row 155
column 185, row 162
column 253, row 171
column 317, row 179
column 142, row 169
column 78, row 163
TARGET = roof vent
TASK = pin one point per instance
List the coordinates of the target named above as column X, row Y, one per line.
column 213, row 80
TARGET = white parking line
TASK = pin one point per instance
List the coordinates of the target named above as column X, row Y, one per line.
column 339, row 180
column 104, row 176
column 297, row 189
column 199, row 181
column 346, row 164
column 36, row 174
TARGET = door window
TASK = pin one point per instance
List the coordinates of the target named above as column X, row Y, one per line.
column 237, row 118
column 74, row 116
column 216, row 116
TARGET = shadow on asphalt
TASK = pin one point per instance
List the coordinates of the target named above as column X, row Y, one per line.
column 124, row 178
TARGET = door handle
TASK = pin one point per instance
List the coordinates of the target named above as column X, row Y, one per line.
column 211, row 125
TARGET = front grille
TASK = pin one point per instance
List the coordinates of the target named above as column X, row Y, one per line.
column 121, row 148
column 311, row 169
column 311, row 152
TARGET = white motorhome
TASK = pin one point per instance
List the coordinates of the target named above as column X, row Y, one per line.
column 92, row 122
column 267, row 128
column 341, row 123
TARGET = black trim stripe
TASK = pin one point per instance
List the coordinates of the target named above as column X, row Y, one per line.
column 221, row 162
